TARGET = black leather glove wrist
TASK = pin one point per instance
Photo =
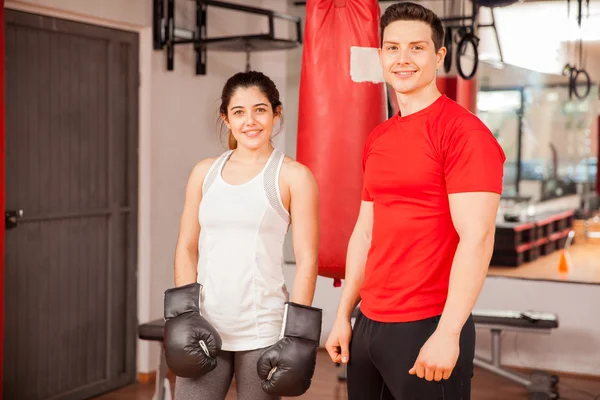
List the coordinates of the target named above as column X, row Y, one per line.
column 288, row 366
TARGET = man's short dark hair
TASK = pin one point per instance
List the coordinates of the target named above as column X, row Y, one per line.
column 408, row 11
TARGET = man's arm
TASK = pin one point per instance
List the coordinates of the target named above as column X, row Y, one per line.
column 304, row 213
column 338, row 343
column 356, row 258
column 474, row 218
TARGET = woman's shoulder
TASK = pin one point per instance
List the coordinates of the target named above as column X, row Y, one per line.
column 293, row 170
column 294, row 166
column 202, row 167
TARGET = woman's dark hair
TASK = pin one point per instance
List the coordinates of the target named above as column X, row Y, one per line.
column 247, row 80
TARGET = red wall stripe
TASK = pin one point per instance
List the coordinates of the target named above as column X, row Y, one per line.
column 447, row 85
column 462, row 91
column 466, row 94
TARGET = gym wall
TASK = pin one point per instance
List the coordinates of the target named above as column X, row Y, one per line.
column 177, row 122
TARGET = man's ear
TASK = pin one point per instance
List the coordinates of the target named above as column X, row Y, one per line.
column 441, row 54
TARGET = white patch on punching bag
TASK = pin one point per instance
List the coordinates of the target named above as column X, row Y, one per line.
column 364, row 65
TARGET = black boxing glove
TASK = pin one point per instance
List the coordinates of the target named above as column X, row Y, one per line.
column 287, row 367
column 191, row 342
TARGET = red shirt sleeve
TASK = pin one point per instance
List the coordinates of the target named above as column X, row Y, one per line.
column 474, row 162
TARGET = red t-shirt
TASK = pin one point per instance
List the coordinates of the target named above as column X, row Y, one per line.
column 411, row 164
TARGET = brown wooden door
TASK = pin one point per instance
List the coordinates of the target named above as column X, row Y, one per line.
column 71, row 166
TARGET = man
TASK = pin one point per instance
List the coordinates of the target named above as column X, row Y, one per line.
column 420, row 249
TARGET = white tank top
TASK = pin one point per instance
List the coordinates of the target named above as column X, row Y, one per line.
column 240, row 260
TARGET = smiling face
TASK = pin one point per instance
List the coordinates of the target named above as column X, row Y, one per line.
column 250, row 117
column 408, row 56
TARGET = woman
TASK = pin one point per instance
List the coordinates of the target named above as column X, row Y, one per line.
column 237, row 211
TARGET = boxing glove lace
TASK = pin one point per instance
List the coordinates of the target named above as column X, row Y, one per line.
column 287, row 367
column 191, row 343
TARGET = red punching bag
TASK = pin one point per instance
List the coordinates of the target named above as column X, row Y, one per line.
column 339, row 106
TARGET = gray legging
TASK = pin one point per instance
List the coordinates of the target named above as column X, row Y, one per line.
column 215, row 384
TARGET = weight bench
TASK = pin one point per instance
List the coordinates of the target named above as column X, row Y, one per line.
column 155, row 331
column 541, row 385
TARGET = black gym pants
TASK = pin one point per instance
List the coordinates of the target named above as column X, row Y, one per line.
column 381, row 354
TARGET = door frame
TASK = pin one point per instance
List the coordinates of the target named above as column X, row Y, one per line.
column 144, row 360
column 2, row 188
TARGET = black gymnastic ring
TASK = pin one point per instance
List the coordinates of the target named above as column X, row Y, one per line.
column 466, row 39
column 588, row 83
column 568, row 71
column 572, row 74
column 448, row 46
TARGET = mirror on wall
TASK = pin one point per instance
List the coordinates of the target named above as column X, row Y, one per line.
column 550, row 148
column 501, row 111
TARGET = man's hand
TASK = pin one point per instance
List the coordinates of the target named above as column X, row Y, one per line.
column 338, row 343
column 437, row 357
